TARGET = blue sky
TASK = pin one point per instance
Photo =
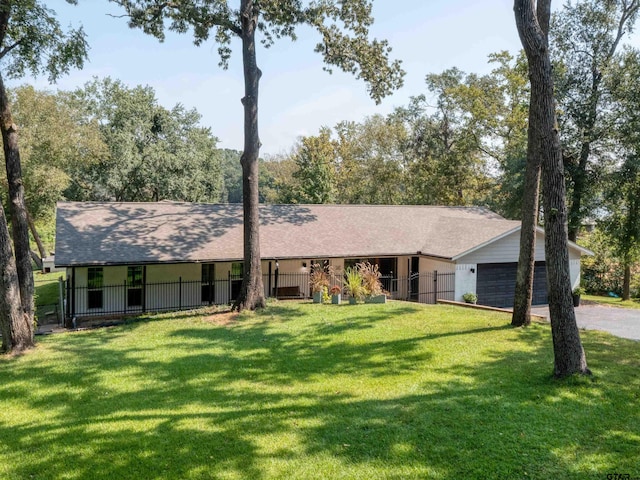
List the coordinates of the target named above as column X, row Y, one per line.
column 296, row 96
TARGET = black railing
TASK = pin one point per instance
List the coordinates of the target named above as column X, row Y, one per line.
column 125, row 299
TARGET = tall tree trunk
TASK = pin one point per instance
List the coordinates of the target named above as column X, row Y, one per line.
column 579, row 178
column 16, row 329
column 36, row 259
column 569, row 357
column 252, row 290
column 626, row 283
column 36, row 237
column 17, row 205
column 526, row 261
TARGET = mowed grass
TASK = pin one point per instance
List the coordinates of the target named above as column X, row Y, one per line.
column 46, row 287
column 613, row 301
column 302, row 391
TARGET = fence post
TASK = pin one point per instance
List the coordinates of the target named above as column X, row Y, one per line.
column 126, row 299
column 179, row 293
column 435, row 287
column 69, row 300
column 73, row 296
column 61, row 311
column 144, row 288
column 229, row 286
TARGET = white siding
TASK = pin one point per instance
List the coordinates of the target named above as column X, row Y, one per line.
column 505, row 250
column 466, row 279
column 574, row 268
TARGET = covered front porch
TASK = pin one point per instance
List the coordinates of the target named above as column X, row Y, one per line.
column 132, row 289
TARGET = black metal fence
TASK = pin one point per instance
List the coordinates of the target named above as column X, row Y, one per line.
column 125, row 299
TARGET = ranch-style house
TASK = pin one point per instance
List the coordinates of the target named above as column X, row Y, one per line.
column 137, row 257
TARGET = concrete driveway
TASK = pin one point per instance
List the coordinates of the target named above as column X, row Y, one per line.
column 621, row 322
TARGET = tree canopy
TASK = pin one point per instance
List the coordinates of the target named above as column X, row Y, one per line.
column 153, row 153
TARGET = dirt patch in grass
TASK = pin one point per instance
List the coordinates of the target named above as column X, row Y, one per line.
column 222, row 318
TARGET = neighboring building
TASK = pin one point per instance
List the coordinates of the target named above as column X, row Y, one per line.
column 129, row 257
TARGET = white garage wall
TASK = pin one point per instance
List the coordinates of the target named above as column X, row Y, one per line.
column 574, row 268
column 505, row 250
column 466, row 279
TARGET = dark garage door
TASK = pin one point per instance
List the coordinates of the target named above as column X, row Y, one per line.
column 496, row 284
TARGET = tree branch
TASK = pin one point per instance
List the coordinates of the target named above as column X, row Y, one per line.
column 9, row 48
column 627, row 13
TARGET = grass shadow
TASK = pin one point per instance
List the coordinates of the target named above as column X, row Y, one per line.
column 301, row 391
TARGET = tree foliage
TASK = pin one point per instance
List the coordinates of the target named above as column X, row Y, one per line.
column 315, row 168
column 153, row 153
column 54, row 154
column 586, row 36
column 31, row 40
column 461, row 143
column 621, row 223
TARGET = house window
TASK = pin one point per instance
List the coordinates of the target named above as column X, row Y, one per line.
column 352, row 262
column 134, row 286
column 208, row 283
column 321, row 263
column 95, row 277
column 237, row 269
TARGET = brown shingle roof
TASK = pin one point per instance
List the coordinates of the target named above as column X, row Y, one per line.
column 126, row 233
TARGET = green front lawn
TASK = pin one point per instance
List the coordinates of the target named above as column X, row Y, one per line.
column 302, row 391
column 611, row 301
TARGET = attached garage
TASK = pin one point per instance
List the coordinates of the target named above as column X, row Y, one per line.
column 496, row 281
column 489, row 270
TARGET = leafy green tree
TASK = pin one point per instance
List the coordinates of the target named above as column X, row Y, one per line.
column 153, row 153
column 622, row 224
column 51, row 153
column 344, row 30
column 532, row 21
column 505, row 140
column 445, row 157
column 603, row 272
column 277, row 183
column 586, row 36
column 622, row 198
column 315, row 158
column 31, row 40
column 369, row 161
column 232, row 175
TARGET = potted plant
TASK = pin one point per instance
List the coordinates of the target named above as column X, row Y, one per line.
column 577, row 292
column 371, row 283
column 470, row 297
column 336, row 296
column 353, row 285
column 318, row 282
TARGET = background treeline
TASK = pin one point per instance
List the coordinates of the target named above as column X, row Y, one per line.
column 462, row 141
